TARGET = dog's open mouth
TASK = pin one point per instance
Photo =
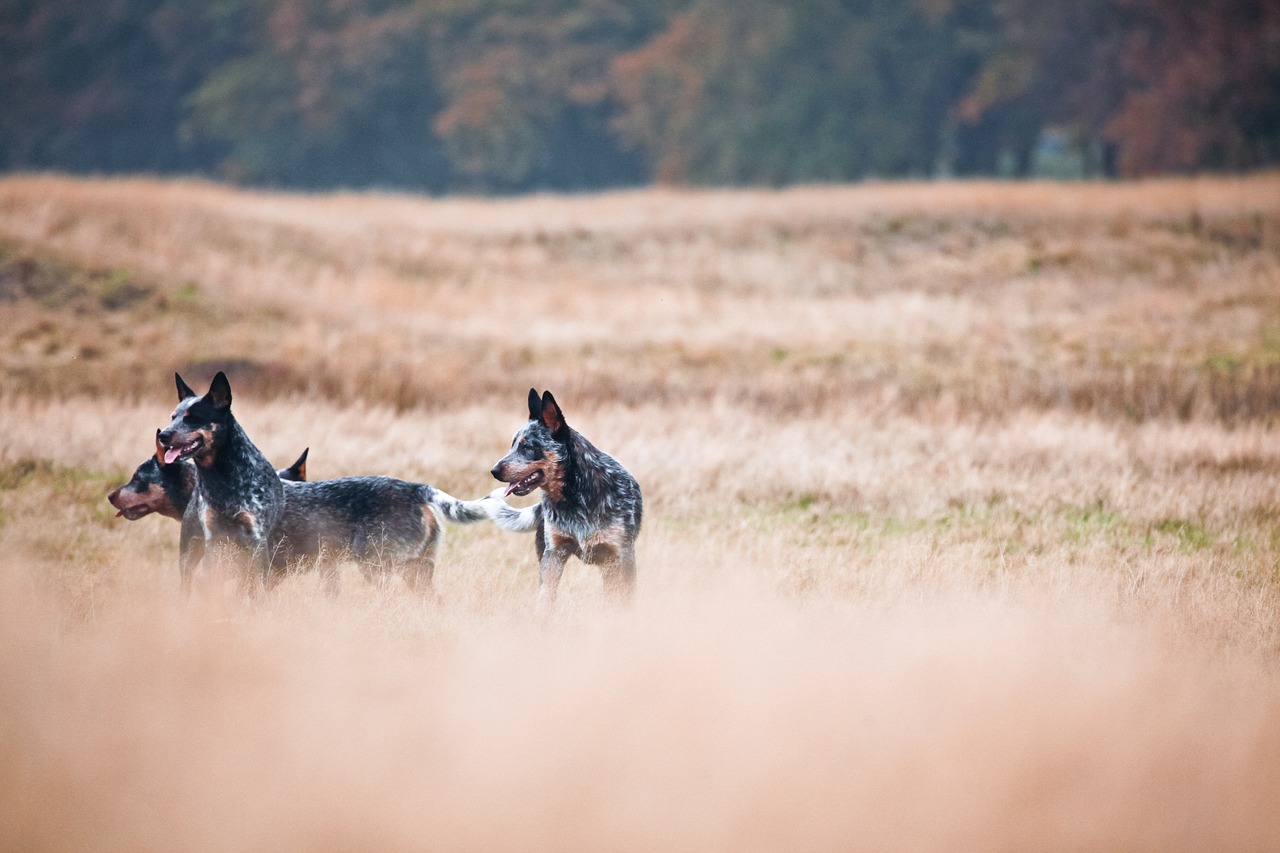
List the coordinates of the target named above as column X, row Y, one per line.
column 132, row 511
column 181, row 451
column 525, row 486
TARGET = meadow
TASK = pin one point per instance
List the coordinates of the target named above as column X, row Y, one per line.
column 961, row 530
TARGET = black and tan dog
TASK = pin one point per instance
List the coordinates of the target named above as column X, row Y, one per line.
column 238, row 498
column 591, row 506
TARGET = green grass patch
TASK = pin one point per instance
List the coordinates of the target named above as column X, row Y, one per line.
column 118, row 289
column 70, row 488
column 1089, row 521
column 1007, row 527
column 1189, row 536
column 1231, row 363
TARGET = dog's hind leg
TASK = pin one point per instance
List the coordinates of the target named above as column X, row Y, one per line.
column 419, row 574
column 550, row 568
column 419, row 570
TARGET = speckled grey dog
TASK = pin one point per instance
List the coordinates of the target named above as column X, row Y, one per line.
column 591, row 506
column 238, row 498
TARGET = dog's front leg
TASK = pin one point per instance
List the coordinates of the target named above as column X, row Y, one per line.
column 190, row 550
column 550, row 568
column 255, row 564
column 258, row 577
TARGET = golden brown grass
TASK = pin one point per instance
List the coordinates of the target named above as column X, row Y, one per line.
column 1139, row 300
column 961, row 532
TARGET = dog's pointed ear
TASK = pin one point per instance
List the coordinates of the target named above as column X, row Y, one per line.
column 551, row 415
column 535, row 405
column 298, row 470
column 159, row 448
column 184, row 390
column 220, row 391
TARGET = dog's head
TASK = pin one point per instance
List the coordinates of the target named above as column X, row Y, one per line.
column 199, row 424
column 538, row 450
column 152, row 488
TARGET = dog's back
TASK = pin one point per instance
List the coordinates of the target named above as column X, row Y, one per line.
column 364, row 516
column 378, row 521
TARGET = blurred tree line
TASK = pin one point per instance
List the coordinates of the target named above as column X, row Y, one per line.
column 514, row 95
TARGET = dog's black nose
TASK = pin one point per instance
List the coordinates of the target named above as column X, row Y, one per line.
column 496, row 471
column 164, row 437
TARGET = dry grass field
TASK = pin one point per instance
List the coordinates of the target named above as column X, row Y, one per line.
column 962, row 526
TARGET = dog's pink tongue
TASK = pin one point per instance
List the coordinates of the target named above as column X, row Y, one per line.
column 170, row 454
column 511, row 488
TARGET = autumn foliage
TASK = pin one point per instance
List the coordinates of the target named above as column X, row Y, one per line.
column 486, row 96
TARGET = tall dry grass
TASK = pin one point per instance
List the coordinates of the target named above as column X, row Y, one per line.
column 961, row 527
column 1139, row 300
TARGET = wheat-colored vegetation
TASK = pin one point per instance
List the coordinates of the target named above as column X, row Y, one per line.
column 962, row 529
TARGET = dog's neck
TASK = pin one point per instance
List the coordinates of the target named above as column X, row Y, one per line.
column 579, row 489
column 235, row 458
column 179, row 483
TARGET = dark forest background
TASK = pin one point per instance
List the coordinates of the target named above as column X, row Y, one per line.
column 517, row 95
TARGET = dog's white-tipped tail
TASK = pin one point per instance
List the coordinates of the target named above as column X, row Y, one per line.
column 459, row 512
column 508, row 517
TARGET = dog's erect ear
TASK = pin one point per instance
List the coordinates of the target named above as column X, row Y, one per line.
column 535, row 405
column 298, row 470
column 220, row 391
column 551, row 415
column 184, row 390
column 159, row 449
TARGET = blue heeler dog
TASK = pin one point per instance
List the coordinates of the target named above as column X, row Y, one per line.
column 591, row 506
column 238, row 499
